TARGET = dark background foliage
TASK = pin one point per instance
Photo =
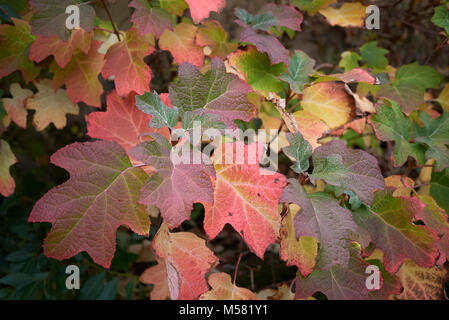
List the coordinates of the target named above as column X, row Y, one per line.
column 25, row 273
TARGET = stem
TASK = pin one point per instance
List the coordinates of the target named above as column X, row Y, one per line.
column 291, row 284
column 142, row 165
column 105, row 30
column 251, row 276
column 280, row 105
column 117, row 33
column 237, row 267
column 115, row 273
column 441, row 45
column 325, row 65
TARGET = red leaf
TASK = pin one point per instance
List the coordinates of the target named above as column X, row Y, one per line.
column 246, row 196
column 60, row 49
column 150, row 20
column 124, row 60
column 80, row 76
column 187, row 260
column 174, row 187
column 355, row 75
column 122, row 122
column 286, row 16
column 100, row 196
column 265, row 43
column 200, row 9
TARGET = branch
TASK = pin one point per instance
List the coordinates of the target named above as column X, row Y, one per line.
column 117, row 33
column 288, row 118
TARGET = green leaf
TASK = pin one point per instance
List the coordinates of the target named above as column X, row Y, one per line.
column 300, row 150
column 421, row 76
column 15, row 41
column 390, row 124
column 349, row 60
column 301, row 66
column 109, row 291
column 20, row 280
column 93, row 287
column 207, row 121
column 262, row 21
column 388, row 224
column 373, row 55
column 410, row 83
column 129, row 289
column 439, row 188
column 441, row 18
column 435, row 133
column 176, row 7
column 162, row 116
column 312, row 6
column 258, row 70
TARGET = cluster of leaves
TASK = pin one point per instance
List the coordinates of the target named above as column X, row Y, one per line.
column 332, row 213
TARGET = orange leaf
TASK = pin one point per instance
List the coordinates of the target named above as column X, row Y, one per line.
column 124, row 60
column 15, row 106
column 187, row 260
column 181, row 44
column 80, row 76
column 223, row 289
column 329, row 102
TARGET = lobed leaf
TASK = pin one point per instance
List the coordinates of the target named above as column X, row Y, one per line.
column 100, row 196
column 245, row 195
column 320, row 216
column 389, row 225
column 187, row 259
column 51, row 106
column 124, row 61
column 354, row 170
column 7, row 159
column 175, row 186
column 162, row 115
column 214, row 93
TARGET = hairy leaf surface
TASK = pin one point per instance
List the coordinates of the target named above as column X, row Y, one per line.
column 100, row 196
column 245, row 195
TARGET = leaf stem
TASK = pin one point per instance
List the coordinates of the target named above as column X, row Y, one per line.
column 115, row 273
column 105, row 30
column 117, row 33
column 237, row 267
